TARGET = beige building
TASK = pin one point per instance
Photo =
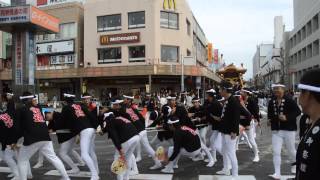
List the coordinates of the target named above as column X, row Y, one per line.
column 141, row 44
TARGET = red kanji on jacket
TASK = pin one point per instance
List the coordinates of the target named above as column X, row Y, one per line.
column 78, row 110
column 8, row 122
column 37, row 116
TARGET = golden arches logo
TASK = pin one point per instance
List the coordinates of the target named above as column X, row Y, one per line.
column 169, row 4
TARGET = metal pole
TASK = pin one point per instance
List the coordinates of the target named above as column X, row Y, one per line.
column 182, row 73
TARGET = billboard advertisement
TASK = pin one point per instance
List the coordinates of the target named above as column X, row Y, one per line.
column 55, row 47
column 10, row 15
column 209, row 51
column 216, row 56
column 44, row 20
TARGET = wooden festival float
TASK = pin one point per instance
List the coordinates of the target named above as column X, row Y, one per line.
column 233, row 74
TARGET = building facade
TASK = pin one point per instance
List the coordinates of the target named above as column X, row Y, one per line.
column 58, row 53
column 304, row 40
column 142, row 45
column 107, row 46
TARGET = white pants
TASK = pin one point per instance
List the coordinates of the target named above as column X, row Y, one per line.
column 209, row 134
column 182, row 152
column 203, row 134
column 229, row 153
column 145, row 143
column 65, row 149
column 128, row 148
column 88, row 152
column 204, row 147
column 215, row 143
column 46, row 148
column 8, row 156
column 278, row 137
column 251, row 138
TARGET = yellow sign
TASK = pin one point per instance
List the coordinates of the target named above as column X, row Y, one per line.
column 169, row 4
column 210, row 57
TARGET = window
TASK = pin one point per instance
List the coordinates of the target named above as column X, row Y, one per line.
column 68, row 30
column 46, row 37
column 137, row 54
column 188, row 52
column 109, row 23
column 188, row 27
column 169, row 53
column 315, row 21
column 136, row 20
column 109, row 55
column 169, row 20
column 54, row 60
column 315, row 50
column 70, row 59
column 62, row 59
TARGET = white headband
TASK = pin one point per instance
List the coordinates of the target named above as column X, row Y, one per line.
column 128, row 97
column 10, row 94
column 278, row 85
column 171, row 98
column 222, row 99
column 309, row 87
column 197, row 100
column 117, row 102
column 106, row 115
column 68, row 95
column 211, row 91
column 85, row 97
column 244, row 90
column 27, row 97
column 173, row 122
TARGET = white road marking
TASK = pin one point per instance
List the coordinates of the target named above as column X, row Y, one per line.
column 214, row 177
column 5, row 170
column 286, row 177
column 82, row 174
column 152, row 177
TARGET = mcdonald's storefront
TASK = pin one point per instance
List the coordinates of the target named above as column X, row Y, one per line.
column 140, row 44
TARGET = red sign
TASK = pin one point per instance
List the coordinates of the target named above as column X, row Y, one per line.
column 216, row 56
column 44, row 20
column 42, row 2
column 120, row 38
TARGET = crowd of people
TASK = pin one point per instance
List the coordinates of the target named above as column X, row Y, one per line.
column 184, row 126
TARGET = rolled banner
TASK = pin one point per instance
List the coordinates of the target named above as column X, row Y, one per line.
column 118, row 167
column 161, row 154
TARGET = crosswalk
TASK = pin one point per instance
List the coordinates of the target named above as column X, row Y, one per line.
column 86, row 174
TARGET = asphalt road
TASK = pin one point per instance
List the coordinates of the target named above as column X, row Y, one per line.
column 188, row 170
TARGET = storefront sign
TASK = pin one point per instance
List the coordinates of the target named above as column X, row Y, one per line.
column 31, row 58
column 169, row 4
column 14, row 14
column 29, row 15
column 53, row 2
column 18, row 59
column 120, row 38
column 216, row 56
column 44, row 20
column 209, row 53
column 55, row 47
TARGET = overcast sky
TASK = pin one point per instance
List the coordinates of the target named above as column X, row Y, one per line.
column 236, row 27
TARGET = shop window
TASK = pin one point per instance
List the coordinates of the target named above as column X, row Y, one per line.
column 109, row 23
column 137, row 54
column 68, row 30
column 136, row 20
column 169, row 53
column 109, row 55
column 70, row 59
column 169, row 20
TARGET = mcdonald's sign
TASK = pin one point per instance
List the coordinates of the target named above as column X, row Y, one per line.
column 169, row 4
